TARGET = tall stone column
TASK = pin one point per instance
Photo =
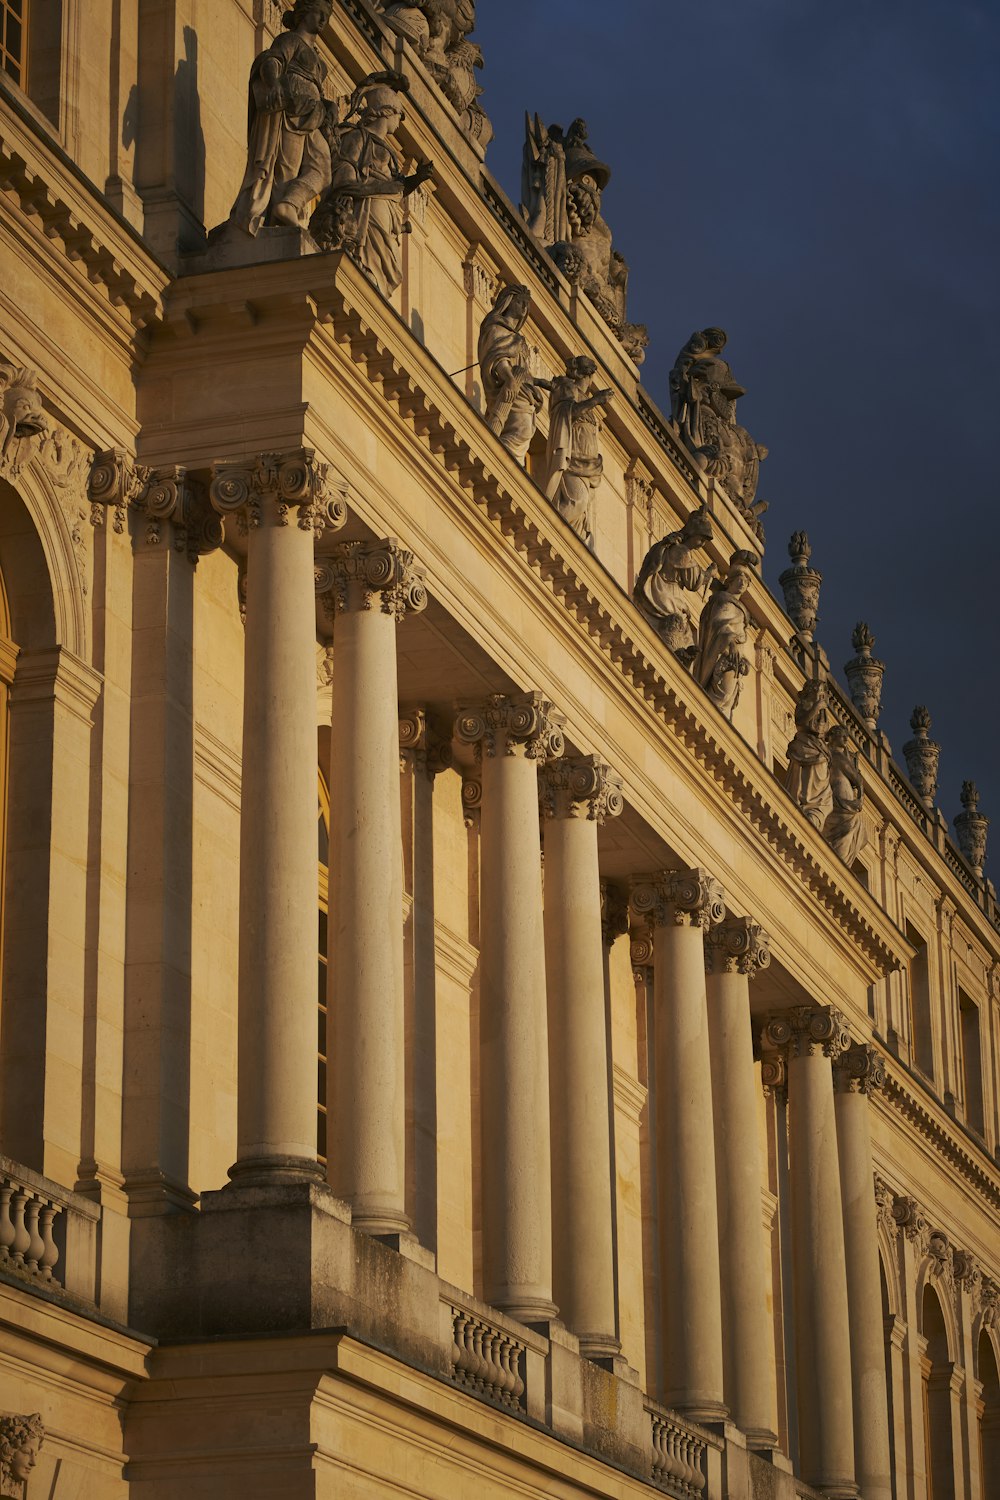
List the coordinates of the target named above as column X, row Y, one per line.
column 280, row 501
column 577, row 796
column 373, row 585
column 513, row 736
column 680, row 905
column 857, row 1073
column 807, row 1037
column 734, row 951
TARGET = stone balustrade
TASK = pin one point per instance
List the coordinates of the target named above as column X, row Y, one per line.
column 487, row 1360
column 678, row 1455
column 48, row 1236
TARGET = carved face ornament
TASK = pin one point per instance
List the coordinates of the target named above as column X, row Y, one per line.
column 24, row 1460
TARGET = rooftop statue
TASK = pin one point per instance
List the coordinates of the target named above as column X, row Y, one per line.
column 288, row 156
column 703, row 397
column 808, row 777
column 843, row 828
column 720, row 665
column 513, row 395
column 362, row 210
column 668, row 576
column 573, row 463
column 561, row 186
column 20, row 1439
column 439, row 31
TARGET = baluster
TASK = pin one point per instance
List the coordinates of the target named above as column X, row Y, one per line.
column 458, row 1343
column 6, row 1223
column 50, row 1251
column 481, row 1367
column 508, row 1353
column 22, row 1239
column 36, row 1245
column 491, row 1345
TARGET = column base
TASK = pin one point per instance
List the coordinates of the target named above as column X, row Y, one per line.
column 759, row 1439
column 599, row 1346
column 381, row 1224
column 703, row 1409
column 527, row 1310
column 265, row 1171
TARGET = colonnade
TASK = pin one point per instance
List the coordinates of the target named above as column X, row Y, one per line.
column 546, row 1175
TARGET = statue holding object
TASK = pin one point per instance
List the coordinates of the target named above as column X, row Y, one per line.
column 670, row 579
column 573, row 462
column 720, row 665
column 362, row 210
column 844, row 827
column 513, row 395
column 703, row 397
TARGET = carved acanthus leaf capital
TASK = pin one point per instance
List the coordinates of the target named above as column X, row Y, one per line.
column 116, row 482
column 968, row 1273
column 170, row 494
column 614, row 912
column 581, row 786
column 860, row 1069
column 371, row 575
column 508, row 723
column 420, row 739
column 803, row 1030
column 738, row 945
column 295, row 480
column 678, row 898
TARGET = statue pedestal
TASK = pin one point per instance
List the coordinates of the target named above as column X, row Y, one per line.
column 230, row 246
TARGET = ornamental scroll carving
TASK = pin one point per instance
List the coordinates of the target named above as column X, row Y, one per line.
column 21, row 1437
column 678, row 898
column 372, row 575
column 738, row 945
column 276, row 484
column 507, row 724
column 582, row 786
column 805, row 1030
column 422, row 742
column 860, row 1069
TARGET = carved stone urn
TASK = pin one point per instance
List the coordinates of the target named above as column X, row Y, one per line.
column 971, row 828
column 922, row 756
column 800, row 584
column 864, row 677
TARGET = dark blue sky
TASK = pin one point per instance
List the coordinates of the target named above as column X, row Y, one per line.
column 823, row 181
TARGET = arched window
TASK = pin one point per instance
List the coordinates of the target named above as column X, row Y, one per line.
column 8, row 655
column 323, row 835
column 989, row 1418
column 936, row 1370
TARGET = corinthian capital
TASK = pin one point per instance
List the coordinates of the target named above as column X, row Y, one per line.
column 116, row 482
column 679, row 898
column 172, row 495
column 371, row 575
column 804, row 1030
column 272, row 484
column 506, row 724
column 860, row 1069
column 582, row 786
column 738, row 945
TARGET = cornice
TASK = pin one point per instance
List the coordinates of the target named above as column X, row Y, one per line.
column 67, row 220
column 900, row 1099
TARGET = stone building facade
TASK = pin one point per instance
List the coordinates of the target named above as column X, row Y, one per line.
column 482, row 1008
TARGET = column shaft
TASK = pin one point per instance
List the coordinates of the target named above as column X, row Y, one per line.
column 374, row 584
column 819, row 1278
column 516, row 1157
column 277, row 985
column 579, row 794
column 687, row 1211
column 280, row 499
column 737, row 948
column 858, row 1071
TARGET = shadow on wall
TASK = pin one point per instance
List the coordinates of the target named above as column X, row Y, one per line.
column 189, row 138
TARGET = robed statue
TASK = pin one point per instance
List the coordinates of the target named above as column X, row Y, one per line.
column 513, row 395
column 672, row 582
column 573, row 463
column 703, row 397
